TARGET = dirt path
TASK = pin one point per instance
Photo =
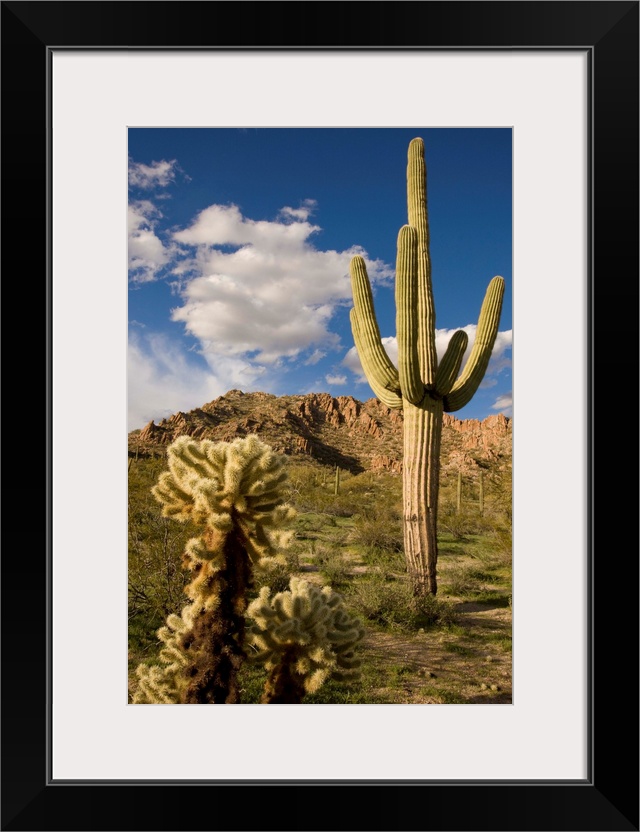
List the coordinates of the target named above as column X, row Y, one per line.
column 446, row 668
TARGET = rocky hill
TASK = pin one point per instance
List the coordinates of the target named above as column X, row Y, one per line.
column 342, row 431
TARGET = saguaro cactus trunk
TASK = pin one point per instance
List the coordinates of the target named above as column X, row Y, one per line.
column 421, row 385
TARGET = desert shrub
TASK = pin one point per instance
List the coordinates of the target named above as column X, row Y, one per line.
column 333, row 566
column 311, row 489
column 494, row 598
column 386, row 562
column 502, row 543
column 466, row 579
column 458, row 580
column 379, row 529
column 392, row 604
column 321, row 500
column 308, row 525
column 461, row 524
column 340, row 505
column 496, row 551
column 156, row 579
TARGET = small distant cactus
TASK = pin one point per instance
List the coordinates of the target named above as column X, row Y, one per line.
column 336, row 484
column 303, row 636
column 234, row 491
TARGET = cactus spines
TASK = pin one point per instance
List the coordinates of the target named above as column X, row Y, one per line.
column 161, row 684
column 234, row 492
column 303, row 636
column 421, row 386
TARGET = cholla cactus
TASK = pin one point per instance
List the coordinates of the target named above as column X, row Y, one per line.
column 226, row 486
column 234, row 491
column 421, row 386
column 164, row 683
column 303, row 636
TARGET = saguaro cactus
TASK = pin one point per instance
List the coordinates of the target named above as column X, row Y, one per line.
column 235, row 493
column 421, row 385
column 303, row 636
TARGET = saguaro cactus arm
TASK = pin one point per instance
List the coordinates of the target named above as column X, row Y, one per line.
column 407, row 316
column 449, row 366
column 463, row 390
column 369, row 365
column 377, row 366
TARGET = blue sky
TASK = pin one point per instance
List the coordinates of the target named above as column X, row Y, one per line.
column 239, row 250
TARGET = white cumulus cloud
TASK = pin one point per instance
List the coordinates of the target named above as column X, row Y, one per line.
column 504, row 404
column 338, row 380
column 163, row 378
column 261, row 288
column 156, row 175
column 316, row 355
column 147, row 253
column 500, row 359
column 302, row 213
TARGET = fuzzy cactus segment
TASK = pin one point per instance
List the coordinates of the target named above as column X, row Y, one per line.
column 303, row 636
column 235, row 493
column 225, row 485
column 160, row 684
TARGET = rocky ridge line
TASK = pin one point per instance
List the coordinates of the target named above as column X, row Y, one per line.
column 339, row 430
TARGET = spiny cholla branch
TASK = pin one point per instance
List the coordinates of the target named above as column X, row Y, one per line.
column 235, row 492
column 303, row 636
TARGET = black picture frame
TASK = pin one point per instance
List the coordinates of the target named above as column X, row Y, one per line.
column 608, row 798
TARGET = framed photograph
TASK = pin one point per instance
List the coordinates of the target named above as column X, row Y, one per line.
column 86, row 84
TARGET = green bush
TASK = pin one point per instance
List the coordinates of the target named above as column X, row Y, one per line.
column 156, row 578
column 461, row 524
column 378, row 529
column 333, row 566
column 392, row 604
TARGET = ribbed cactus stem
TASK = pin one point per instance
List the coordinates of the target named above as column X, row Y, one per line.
column 375, row 354
column 387, row 397
column 449, row 366
column 420, row 472
column 459, row 493
column 481, row 493
column 336, row 485
column 421, row 387
column 419, row 219
column 465, row 387
column 407, row 316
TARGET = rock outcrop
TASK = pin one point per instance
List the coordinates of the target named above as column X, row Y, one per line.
column 341, row 430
